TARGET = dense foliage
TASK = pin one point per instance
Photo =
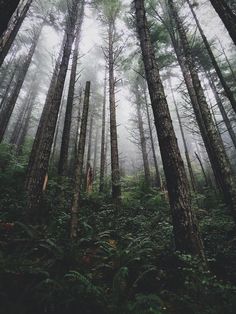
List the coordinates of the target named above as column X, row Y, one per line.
column 123, row 260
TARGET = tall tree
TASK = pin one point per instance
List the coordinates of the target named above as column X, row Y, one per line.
column 63, row 161
column 143, row 142
column 213, row 142
column 110, row 10
column 158, row 179
column 37, row 171
column 189, row 165
column 187, row 237
column 79, row 164
column 13, row 27
column 103, row 135
column 227, row 16
column 229, row 94
column 9, row 106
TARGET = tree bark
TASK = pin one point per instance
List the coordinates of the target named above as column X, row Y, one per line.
column 115, row 170
column 102, row 161
column 79, row 164
column 158, row 179
column 189, row 165
column 63, row 161
column 14, row 25
column 45, row 114
column 213, row 142
column 186, row 234
column 143, row 142
column 227, row 16
column 8, row 108
column 229, row 94
column 88, row 162
column 38, row 172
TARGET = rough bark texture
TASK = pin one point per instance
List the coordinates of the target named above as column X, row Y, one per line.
column 9, row 86
column 102, row 161
column 63, row 161
column 13, row 27
column 229, row 94
column 186, row 234
column 38, row 172
column 227, row 16
column 9, row 106
column 115, row 170
column 45, row 114
column 79, row 164
column 216, row 151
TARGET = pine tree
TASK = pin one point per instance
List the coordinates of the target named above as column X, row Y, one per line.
column 13, row 27
column 187, row 237
column 79, row 164
column 37, row 170
column 227, row 16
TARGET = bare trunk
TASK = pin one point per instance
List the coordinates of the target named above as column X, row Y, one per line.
column 45, row 114
column 39, row 168
column 229, row 94
column 189, row 165
column 158, row 179
column 222, row 110
column 63, row 161
column 216, row 151
column 227, row 16
column 13, row 27
column 102, row 161
column 79, row 165
column 115, row 170
column 9, row 106
column 187, row 237
column 143, row 143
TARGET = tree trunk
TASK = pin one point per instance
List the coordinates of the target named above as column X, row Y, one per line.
column 143, row 143
column 45, row 114
column 63, row 161
column 222, row 109
column 158, row 179
column 79, row 164
column 229, row 94
column 8, row 37
column 8, row 108
column 203, row 170
column 39, row 168
column 102, row 161
column 187, row 237
column 7, row 8
column 9, row 86
column 26, row 124
column 216, row 151
column 190, row 169
column 88, row 162
column 95, row 156
column 227, row 16
column 115, row 170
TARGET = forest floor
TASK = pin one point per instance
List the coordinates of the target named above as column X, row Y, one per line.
column 123, row 261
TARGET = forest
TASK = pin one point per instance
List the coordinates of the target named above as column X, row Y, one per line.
column 117, row 156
